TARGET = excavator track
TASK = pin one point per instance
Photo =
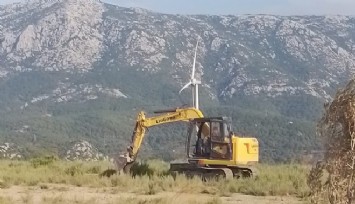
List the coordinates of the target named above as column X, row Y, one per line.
column 216, row 173
column 210, row 173
column 243, row 172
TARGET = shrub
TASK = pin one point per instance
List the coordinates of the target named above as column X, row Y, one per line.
column 140, row 169
column 43, row 161
column 74, row 170
column 94, row 170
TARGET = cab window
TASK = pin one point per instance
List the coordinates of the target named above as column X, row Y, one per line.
column 215, row 127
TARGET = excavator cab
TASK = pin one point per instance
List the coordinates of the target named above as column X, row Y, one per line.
column 213, row 138
column 217, row 151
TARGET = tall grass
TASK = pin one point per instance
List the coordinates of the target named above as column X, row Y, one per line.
column 152, row 178
column 278, row 180
column 6, row 200
column 133, row 200
column 271, row 180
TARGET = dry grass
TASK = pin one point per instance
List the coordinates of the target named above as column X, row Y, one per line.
column 62, row 200
column 271, row 180
column 60, row 172
column 5, row 200
column 131, row 200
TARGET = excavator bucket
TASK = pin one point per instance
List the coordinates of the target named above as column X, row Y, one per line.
column 122, row 163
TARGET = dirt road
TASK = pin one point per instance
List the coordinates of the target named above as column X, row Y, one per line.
column 49, row 193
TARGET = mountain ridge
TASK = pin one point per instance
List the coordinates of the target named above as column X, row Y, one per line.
column 97, row 57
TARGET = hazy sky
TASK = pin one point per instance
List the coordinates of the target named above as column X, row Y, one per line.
column 282, row 7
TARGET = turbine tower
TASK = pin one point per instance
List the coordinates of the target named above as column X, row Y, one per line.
column 193, row 82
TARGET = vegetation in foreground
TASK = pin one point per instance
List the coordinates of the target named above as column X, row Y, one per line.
column 129, row 200
column 150, row 178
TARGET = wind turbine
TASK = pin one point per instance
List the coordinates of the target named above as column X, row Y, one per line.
column 193, row 82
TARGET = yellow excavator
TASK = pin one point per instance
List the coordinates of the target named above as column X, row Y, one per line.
column 217, row 151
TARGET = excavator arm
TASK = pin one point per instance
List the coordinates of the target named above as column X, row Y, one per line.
column 143, row 123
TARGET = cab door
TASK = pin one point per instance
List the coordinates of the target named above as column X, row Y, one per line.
column 220, row 141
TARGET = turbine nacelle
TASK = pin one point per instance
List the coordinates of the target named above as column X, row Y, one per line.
column 192, row 82
column 195, row 81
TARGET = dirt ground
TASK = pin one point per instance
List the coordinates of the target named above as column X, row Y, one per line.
column 71, row 194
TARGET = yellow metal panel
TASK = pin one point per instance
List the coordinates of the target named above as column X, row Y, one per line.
column 245, row 152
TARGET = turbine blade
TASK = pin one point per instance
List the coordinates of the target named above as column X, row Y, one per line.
column 194, row 65
column 186, row 85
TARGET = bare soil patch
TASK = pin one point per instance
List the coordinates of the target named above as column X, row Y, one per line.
column 52, row 193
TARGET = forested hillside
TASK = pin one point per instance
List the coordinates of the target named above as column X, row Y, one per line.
column 81, row 70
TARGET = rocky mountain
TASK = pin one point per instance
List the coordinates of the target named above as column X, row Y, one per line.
column 75, row 68
column 9, row 151
column 83, row 150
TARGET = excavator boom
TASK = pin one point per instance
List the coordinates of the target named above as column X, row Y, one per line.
column 124, row 161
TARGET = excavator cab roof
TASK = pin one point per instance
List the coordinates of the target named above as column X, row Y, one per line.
column 220, row 126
